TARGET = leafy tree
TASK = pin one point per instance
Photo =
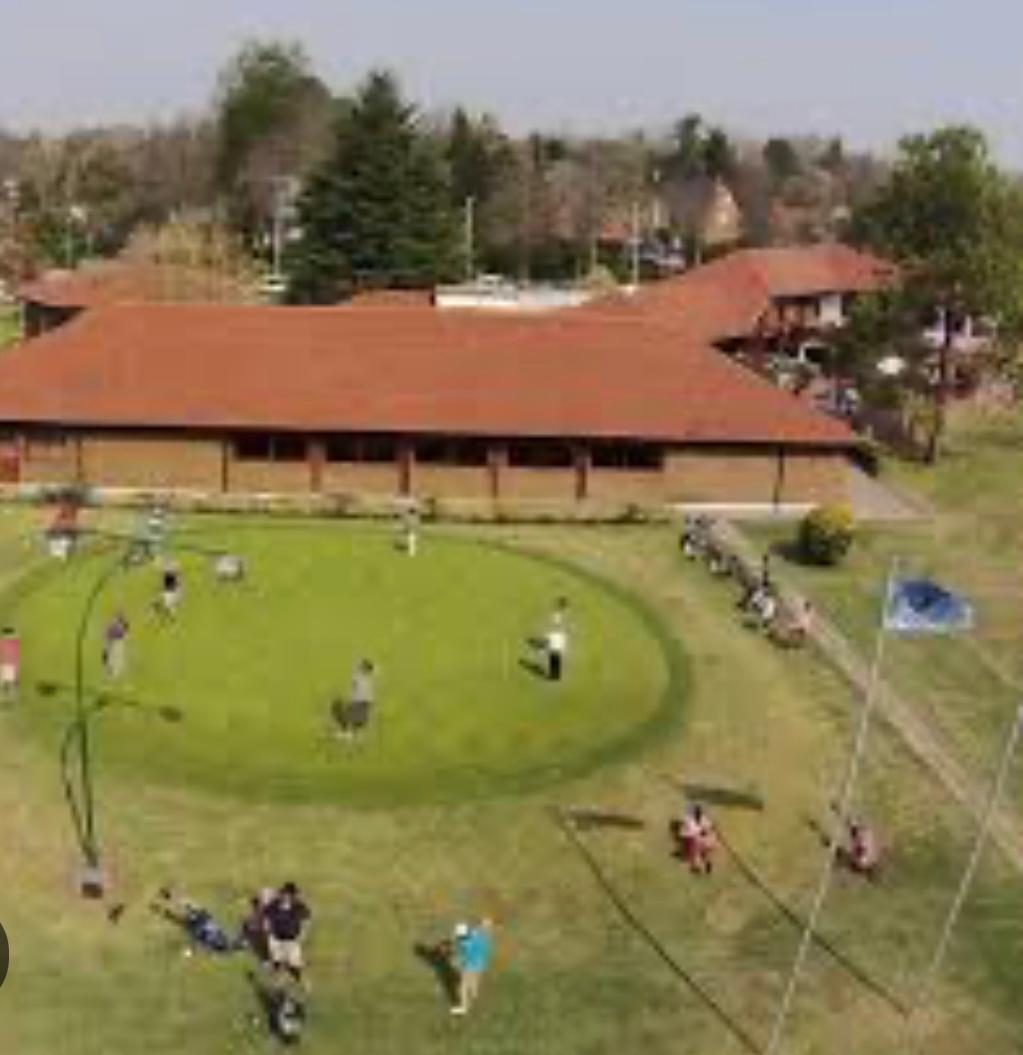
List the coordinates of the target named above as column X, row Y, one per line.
column 951, row 220
column 832, row 158
column 781, row 159
column 273, row 119
column 378, row 210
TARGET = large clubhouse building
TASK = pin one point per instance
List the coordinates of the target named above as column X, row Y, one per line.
column 581, row 405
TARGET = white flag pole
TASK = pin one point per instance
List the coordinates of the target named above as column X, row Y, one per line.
column 984, row 830
column 848, row 787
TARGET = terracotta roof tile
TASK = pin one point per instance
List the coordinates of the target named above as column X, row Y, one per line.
column 569, row 374
column 727, row 297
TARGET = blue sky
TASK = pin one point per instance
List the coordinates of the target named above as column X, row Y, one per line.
column 870, row 69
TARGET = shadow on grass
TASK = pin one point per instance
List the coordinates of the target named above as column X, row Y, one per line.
column 650, row 938
column 733, row 798
column 438, row 958
column 847, row 963
column 74, row 790
column 535, row 667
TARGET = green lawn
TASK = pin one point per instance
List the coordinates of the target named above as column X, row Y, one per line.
column 604, row 944
column 10, row 325
column 251, row 669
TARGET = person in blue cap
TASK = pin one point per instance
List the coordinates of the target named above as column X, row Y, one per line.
column 473, row 947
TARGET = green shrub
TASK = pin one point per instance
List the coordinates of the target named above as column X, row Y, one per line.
column 826, row 533
column 868, row 457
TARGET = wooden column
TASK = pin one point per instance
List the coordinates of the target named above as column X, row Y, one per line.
column 582, row 472
column 779, row 480
column 406, row 467
column 225, row 464
column 497, row 459
column 79, row 456
column 317, row 454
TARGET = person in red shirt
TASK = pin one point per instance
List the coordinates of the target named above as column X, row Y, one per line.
column 10, row 662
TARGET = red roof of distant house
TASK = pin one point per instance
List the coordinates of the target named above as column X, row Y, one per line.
column 394, row 370
column 727, row 297
column 131, row 282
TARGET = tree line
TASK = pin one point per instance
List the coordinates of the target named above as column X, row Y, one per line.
column 279, row 159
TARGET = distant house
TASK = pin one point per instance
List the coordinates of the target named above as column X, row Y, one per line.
column 753, row 302
column 58, row 296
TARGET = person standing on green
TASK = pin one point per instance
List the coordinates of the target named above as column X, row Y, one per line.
column 472, row 951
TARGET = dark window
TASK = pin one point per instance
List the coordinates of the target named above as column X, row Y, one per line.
column 289, row 448
column 540, row 454
column 433, row 452
column 264, row 447
column 646, row 456
column 381, row 450
column 351, row 448
column 253, row 447
column 470, row 452
column 343, row 449
column 452, row 451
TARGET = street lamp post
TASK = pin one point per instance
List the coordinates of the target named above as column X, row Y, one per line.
column 91, row 882
column 91, row 878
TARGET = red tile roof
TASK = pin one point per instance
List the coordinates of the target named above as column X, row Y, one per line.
column 727, row 297
column 568, row 374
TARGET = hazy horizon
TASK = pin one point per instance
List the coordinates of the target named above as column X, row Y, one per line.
column 869, row 73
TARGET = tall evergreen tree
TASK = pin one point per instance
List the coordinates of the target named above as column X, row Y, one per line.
column 378, row 212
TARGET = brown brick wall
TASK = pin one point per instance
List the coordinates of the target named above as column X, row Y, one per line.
column 451, row 481
column 56, row 465
column 537, row 483
column 732, row 475
column 151, row 461
column 625, row 485
column 269, row 477
column 720, row 475
column 815, row 478
column 348, row 478
column 694, row 474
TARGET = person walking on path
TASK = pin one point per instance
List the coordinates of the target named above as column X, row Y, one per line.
column 473, row 948
column 285, row 918
column 115, row 646
column 10, row 662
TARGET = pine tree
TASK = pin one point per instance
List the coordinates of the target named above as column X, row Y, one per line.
column 378, row 213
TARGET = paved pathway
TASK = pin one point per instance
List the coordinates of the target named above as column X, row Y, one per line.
column 871, row 499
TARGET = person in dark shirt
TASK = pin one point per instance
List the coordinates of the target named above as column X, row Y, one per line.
column 285, row 917
column 170, row 592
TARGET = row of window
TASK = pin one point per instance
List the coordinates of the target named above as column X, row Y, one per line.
column 386, row 450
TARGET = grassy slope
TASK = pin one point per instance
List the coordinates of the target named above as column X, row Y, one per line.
column 572, row 976
column 967, row 685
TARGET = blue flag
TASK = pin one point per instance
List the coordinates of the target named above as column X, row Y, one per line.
column 919, row 606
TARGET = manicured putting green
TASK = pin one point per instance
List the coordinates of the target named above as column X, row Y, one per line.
column 234, row 696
